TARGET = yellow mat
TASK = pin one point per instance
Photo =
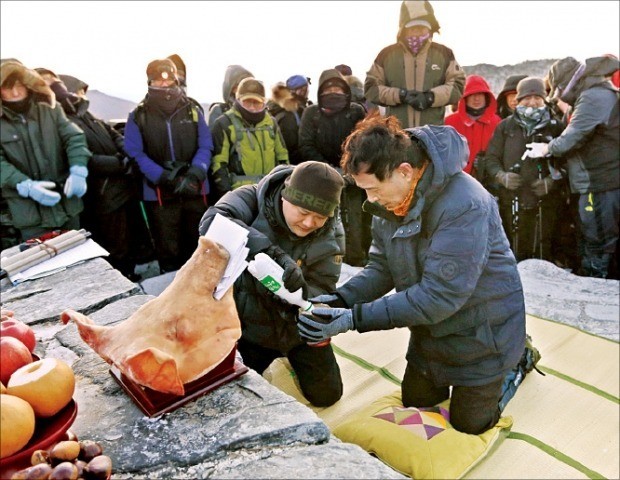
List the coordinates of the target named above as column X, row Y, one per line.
column 566, row 424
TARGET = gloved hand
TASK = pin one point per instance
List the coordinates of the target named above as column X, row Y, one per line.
column 323, row 323
column 293, row 277
column 76, row 183
column 332, row 299
column 510, row 180
column 187, row 185
column 542, row 186
column 536, row 150
column 418, row 100
column 39, row 192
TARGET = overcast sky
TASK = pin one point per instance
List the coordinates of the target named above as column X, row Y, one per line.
column 109, row 44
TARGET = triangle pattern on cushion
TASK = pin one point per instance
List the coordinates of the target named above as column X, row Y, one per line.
column 423, row 422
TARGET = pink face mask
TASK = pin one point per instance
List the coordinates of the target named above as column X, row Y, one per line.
column 417, row 42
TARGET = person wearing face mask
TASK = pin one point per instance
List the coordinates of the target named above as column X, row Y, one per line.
column 590, row 147
column 287, row 104
column 324, row 126
column 44, row 156
column 112, row 195
column 292, row 216
column 529, row 189
column 168, row 137
column 415, row 78
column 476, row 120
column 247, row 140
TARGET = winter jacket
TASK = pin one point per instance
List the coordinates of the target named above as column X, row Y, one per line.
column 433, row 69
column 505, row 150
column 287, row 111
column 590, row 142
column 321, row 136
column 244, row 153
column 40, row 145
column 477, row 131
column 233, row 75
column 109, row 184
column 174, row 143
column 456, row 280
column 258, row 208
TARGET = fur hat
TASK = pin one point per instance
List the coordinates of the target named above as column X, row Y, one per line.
column 30, row 78
column 531, row 86
column 251, row 88
column 315, row 186
column 162, row 70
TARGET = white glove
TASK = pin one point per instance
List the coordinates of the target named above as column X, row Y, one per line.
column 536, row 150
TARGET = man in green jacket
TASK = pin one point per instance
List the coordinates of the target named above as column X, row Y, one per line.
column 43, row 157
column 415, row 78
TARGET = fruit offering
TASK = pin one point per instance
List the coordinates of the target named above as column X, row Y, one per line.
column 47, row 385
column 13, row 355
column 16, row 424
column 17, row 329
column 71, row 459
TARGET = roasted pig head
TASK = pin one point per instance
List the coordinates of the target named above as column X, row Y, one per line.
column 177, row 337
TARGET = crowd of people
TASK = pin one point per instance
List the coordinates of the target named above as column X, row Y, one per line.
column 419, row 174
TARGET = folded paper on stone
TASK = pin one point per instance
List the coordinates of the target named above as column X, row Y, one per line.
column 233, row 238
column 177, row 337
column 51, row 256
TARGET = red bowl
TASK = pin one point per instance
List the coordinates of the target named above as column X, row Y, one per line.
column 47, row 432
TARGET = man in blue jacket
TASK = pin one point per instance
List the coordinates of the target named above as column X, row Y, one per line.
column 438, row 241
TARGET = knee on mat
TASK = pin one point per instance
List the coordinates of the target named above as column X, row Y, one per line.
column 472, row 425
column 323, row 397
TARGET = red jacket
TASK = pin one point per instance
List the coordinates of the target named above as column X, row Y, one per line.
column 478, row 132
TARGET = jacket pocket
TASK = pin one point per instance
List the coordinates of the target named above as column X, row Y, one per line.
column 24, row 211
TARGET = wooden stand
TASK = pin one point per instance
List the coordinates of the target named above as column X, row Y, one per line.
column 154, row 403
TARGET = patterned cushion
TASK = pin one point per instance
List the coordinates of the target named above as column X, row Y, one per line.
column 419, row 442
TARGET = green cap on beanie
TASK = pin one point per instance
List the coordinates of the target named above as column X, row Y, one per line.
column 315, row 186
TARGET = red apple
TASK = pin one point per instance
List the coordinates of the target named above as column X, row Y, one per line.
column 13, row 355
column 21, row 331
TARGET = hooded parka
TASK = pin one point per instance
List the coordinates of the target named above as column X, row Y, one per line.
column 41, row 144
column 456, row 280
column 433, row 69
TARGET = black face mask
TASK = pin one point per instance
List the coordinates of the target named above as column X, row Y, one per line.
column 165, row 99
column 81, row 106
column 20, row 107
column 332, row 103
column 475, row 112
column 251, row 117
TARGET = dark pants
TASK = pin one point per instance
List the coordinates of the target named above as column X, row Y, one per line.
column 174, row 226
column 315, row 367
column 599, row 215
column 472, row 409
column 357, row 225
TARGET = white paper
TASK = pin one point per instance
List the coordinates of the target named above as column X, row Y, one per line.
column 234, row 238
column 85, row 251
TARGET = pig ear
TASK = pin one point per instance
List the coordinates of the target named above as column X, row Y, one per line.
column 155, row 369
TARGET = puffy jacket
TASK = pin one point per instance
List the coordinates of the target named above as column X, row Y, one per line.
column 258, row 208
column 590, row 142
column 40, row 145
column 456, row 280
column 434, row 69
column 160, row 143
column 245, row 153
column 477, row 131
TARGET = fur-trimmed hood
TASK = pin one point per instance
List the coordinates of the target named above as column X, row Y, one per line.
column 282, row 96
column 30, row 78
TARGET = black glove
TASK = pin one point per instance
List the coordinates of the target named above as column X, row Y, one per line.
column 190, row 183
column 293, row 277
column 418, row 100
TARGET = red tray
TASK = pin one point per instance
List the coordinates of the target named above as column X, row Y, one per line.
column 47, row 432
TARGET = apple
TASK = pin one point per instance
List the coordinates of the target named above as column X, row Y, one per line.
column 21, row 331
column 13, row 355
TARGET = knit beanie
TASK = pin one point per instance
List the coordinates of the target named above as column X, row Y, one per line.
column 296, row 81
column 251, row 88
column 315, row 186
column 531, row 86
column 161, row 69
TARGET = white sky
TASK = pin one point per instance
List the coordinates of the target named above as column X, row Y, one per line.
column 109, row 44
